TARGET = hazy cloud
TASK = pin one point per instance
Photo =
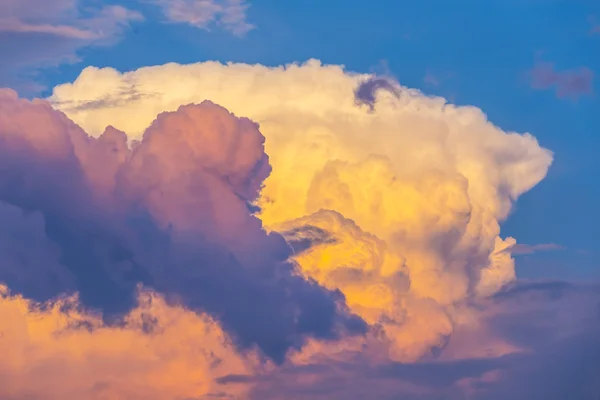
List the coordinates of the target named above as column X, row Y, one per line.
column 571, row 83
column 523, row 249
column 227, row 14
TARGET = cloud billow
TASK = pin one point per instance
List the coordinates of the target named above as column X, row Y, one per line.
column 170, row 215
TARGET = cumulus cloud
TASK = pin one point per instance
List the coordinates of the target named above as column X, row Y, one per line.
column 229, row 14
column 172, row 214
column 400, row 209
column 392, row 213
column 571, row 83
column 37, row 32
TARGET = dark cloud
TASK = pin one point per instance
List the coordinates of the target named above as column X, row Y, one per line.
column 366, row 92
column 171, row 214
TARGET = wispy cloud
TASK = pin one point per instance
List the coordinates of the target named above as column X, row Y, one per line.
column 571, row 83
column 431, row 79
column 524, row 249
column 203, row 14
column 37, row 33
column 65, row 18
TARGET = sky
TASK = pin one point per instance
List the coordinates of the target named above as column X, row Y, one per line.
column 256, row 199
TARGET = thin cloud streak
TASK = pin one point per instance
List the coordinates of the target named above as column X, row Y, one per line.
column 204, row 14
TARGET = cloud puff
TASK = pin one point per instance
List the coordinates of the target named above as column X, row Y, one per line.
column 366, row 92
column 38, row 32
column 400, row 209
column 173, row 213
column 230, row 14
column 570, row 83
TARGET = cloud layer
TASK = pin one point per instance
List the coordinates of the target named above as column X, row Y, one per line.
column 362, row 256
column 37, row 33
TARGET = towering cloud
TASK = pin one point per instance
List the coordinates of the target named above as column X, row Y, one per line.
column 400, row 209
column 363, row 255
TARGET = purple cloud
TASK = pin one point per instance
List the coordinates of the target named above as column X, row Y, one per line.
column 571, row 83
column 172, row 214
column 35, row 33
column 366, row 92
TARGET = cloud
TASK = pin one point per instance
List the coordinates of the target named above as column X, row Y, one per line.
column 229, row 14
column 37, row 33
column 171, row 214
column 522, row 249
column 431, row 79
column 366, row 91
column 554, row 342
column 399, row 208
column 161, row 351
column 391, row 214
column 56, row 350
column 569, row 83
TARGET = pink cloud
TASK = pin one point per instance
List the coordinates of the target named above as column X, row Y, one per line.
column 229, row 14
column 172, row 214
column 569, row 83
column 39, row 33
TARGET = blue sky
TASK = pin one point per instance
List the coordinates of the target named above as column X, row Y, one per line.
column 471, row 52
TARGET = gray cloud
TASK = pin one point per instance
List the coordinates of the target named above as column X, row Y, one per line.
column 366, row 92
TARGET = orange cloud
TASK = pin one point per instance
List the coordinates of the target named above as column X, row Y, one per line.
column 160, row 351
